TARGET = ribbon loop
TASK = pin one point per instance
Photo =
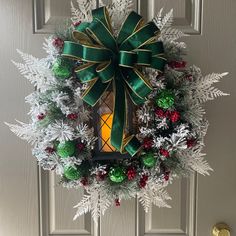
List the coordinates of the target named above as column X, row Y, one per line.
column 108, row 60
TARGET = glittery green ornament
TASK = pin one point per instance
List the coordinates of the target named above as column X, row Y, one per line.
column 66, row 149
column 149, row 159
column 62, row 68
column 72, row 173
column 165, row 99
column 117, row 175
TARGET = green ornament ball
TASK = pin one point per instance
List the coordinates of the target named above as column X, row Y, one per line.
column 66, row 149
column 72, row 173
column 165, row 99
column 117, row 175
column 62, row 68
column 149, row 159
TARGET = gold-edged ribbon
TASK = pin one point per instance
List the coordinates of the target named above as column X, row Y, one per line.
column 118, row 61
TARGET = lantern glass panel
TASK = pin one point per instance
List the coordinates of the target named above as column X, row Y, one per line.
column 105, row 116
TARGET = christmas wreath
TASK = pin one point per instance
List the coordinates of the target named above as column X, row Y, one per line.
column 112, row 49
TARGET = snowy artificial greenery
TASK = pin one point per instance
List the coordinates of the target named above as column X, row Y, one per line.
column 173, row 135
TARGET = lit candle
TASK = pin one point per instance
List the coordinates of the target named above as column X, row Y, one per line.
column 106, row 124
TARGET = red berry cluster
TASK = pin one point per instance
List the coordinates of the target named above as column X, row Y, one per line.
column 72, row 116
column 41, row 116
column 143, row 181
column 117, row 202
column 77, row 23
column 164, row 152
column 58, row 42
column 49, row 150
column 191, row 142
column 100, row 176
column 174, row 116
column 131, row 173
column 177, row 64
column 80, row 146
column 167, row 176
column 84, row 181
column 147, row 143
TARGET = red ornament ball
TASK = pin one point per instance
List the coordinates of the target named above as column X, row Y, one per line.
column 131, row 173
column 164, row 152
column 147, row 143
column 41, row 116
column 72, row 116
column 58, row 42
column 174, row 116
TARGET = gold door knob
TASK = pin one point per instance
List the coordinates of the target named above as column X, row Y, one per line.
column 221, row 229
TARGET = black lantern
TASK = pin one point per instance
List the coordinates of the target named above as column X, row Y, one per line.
column 102, row 123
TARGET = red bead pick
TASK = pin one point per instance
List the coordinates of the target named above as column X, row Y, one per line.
column 147, row 143
column 77, row 23
column 164, row 152
column 167, row 176
column 117, row 202
column 49, row 150
column 100, row 176
column 177, row 64
column 160, row 113
column 72, row 116
column 131, row 173
column 189, row 77
column 143, row 181
column 84, row 181
column 58, row 42
column 191, row 142
column 80, row 146
column 174, row 116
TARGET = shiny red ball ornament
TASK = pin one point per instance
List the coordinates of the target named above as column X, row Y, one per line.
column 72, row 116
column 174, row 116
column 49, row 150
column 41, row 116
column 147, row 143
column 191, row 142
column 84, row 181
column 131, row 173
column 160, row 113
column 164, row 152
column 117, row 202
column 177, row 64
column 80, row 146
column 143, row 181
column 58, row 42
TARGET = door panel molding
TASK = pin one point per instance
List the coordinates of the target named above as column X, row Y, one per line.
column 189, row 19
column 187, row 224
column 47, row 210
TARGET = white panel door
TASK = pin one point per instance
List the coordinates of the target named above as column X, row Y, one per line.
column 31, row 201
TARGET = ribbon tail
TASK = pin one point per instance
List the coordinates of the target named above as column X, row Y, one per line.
column 119, row 115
